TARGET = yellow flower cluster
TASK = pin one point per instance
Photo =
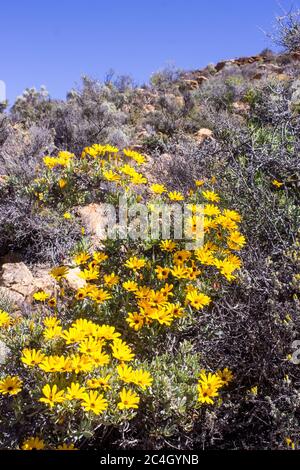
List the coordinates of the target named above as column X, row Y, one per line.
column 134, row 177
column 5, row 319
column 157, row 188
column 137, row 157
column 172, row 282
column 91, row 349
column 209, row 385
column 98, row 150
column 80, row 363
column 106, row 161
column 114, row 169
column 63, row 159
column 35, row 443
column 175, row 281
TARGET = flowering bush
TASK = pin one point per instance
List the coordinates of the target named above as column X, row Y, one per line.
column 86, row 362
column 241, row 311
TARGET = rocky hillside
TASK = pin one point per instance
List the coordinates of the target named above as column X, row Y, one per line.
column 233, row 126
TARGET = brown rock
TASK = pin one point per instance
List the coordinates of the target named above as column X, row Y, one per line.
column 18, row 278
column 203, row 134
column 73, row 280
column 201, row 79
column 191, row 84
column 248, row 60
column 98, row 219
column 295, row 55
column 19, row 284
column 239, row 62
column 221, row 65
column 16, row 273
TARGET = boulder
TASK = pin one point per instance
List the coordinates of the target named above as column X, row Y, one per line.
column 239, row 62
column 97, row 218
column 19, row 284
column 17, row 277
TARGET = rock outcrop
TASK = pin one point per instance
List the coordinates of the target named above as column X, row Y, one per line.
column 18, row 283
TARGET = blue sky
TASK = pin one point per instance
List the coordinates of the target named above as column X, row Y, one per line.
column 54, row 42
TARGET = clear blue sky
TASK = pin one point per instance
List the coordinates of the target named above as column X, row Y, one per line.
column 54, row 42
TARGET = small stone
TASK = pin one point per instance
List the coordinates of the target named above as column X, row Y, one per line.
column 73, row 280
column 203, row 134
